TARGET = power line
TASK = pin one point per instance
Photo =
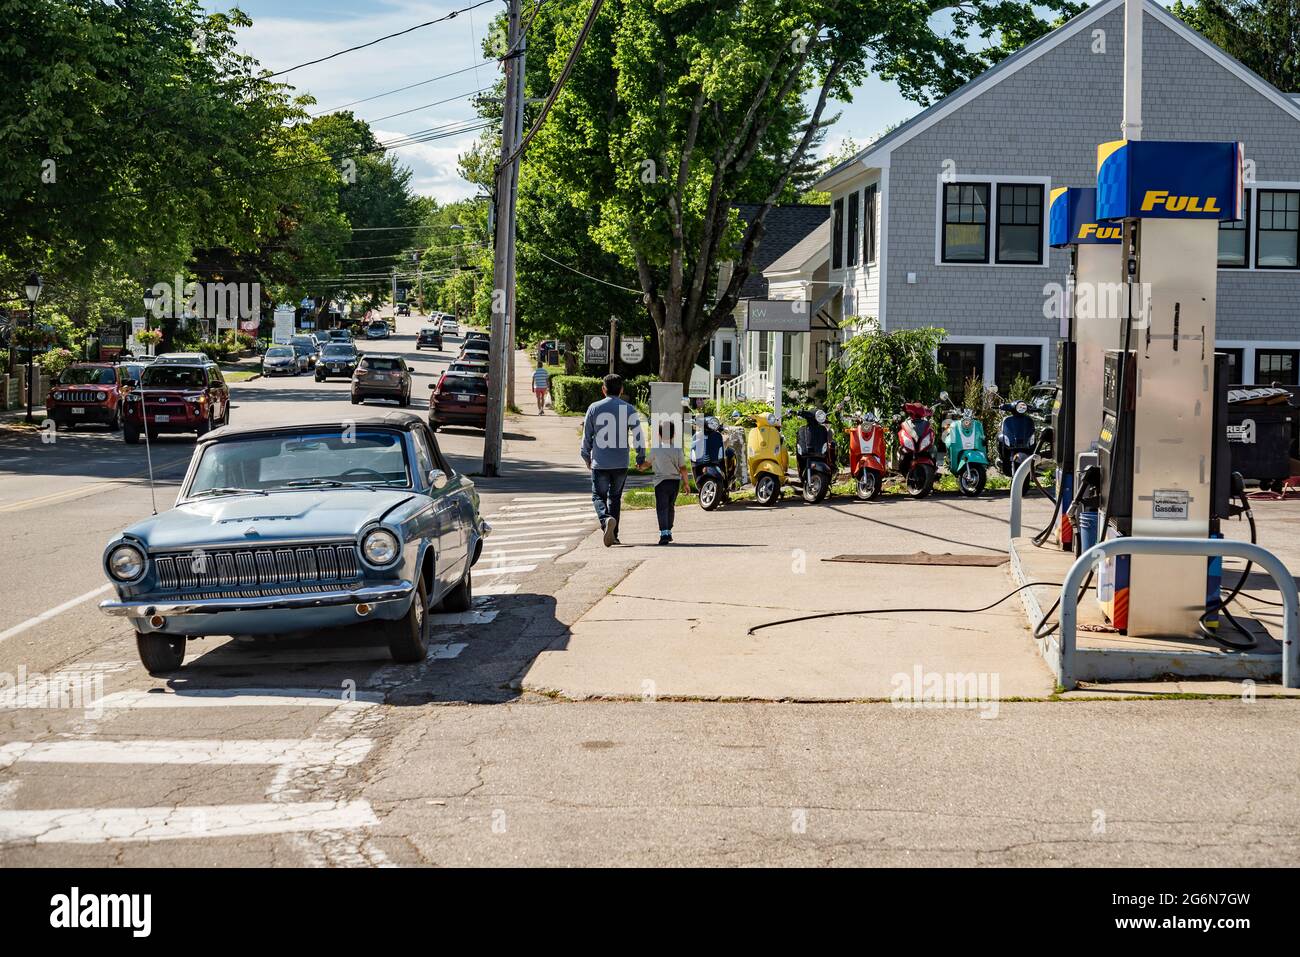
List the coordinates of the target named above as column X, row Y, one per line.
column 403, row 89
column 585, row 275
column 416, row 109
column 399, row 33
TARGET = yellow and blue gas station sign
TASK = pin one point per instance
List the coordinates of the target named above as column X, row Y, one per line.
column 1072, row 219
column 1158, row 179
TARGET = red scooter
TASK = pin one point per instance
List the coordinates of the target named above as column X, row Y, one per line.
column 867, row 455
column 916, row 449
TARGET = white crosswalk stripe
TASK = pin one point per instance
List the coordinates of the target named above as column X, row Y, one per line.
column 217, row 752
column 506, row 570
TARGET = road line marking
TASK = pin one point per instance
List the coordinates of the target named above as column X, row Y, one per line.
column 505, row 570
column 240, row 697
column 104, row 485
column 572, row 521
column 343, row 753
column 56, row 610
column 129, row 824
column 526, row 536
column 538, row 509
column 554, row 498
column 496, row 590
column 495, row 558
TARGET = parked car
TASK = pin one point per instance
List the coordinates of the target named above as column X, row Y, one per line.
column 299, row 528
column 340, row 335
column 307, row 346
column 429, row 336
column 403, row 309
column 184, row 358
column 477, row 335
column 476, row 366
column 476, row 350
column 377, row 329
column 337, row 359
column 382, row 376
column 283, row 360
column 180, row 397
column 459, row 399
column 88, row 393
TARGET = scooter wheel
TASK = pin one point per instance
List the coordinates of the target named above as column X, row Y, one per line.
column 919, row 482
column 868, row 485
column 709, row 498
column 971, row 480
column 766, row 490
column 814, row 488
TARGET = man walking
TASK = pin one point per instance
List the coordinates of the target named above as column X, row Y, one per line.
column 541, row 382
column 605, row 449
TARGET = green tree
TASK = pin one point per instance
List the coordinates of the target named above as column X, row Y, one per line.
column 1263, row 34
column 879, row 371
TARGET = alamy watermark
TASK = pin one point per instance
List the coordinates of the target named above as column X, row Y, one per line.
column 64, row 690
column 940, row 689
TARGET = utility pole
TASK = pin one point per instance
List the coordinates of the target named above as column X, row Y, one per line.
column 613, row 341
column 503, row 262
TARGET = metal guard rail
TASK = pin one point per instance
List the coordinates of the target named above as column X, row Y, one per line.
column 1017, row 485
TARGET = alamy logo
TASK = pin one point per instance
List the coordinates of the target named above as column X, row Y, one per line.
column 74, row 909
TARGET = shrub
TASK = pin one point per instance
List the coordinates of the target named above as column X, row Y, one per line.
column 573, row 393
column 55, row 361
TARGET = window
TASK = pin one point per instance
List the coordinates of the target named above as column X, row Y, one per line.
column 869, row 225
column 959, row 363
column 1279, row 227
column 1020, row 223
column 1233, row 240
column 1236, row 364
column 966, row 223
column 837, row 235
column 1277, row 365
column 423, row 452
column 853, row 228
column 1011, row 362
column 764, row 352
column 726, row 357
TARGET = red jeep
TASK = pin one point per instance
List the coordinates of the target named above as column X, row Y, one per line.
column 88, row 392
column 181, row 396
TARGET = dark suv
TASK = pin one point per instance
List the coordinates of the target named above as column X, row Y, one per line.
column 180, row 397
column 88, row 392
column 429, row 336
column 337, row 359
column 382, row 376
column 459, row 399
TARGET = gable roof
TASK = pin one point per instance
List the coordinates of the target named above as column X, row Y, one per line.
column 813, row 249
column 784, row 228
column 877, row 153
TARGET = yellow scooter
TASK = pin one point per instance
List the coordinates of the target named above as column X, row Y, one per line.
column 767, row 458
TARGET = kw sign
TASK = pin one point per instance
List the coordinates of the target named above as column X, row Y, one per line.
column 778, row 315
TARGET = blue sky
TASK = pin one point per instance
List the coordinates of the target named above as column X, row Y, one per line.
column 287, row 32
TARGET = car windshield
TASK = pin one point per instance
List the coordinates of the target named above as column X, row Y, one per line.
column 303, row 341
column 315, row 458
column 86, row 376
column 173, row 376
column 464, row 383
column 279, row 352
column 383, row 365
column 339, row 350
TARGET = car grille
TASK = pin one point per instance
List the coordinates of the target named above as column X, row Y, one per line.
column 258, row 568
column 82, row 396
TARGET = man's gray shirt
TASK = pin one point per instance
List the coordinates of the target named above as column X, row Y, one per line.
column 605, row 442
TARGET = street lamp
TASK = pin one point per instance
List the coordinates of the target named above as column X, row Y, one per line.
column 33, row 290
column 149, row 297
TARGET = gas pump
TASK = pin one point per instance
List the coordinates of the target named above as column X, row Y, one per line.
column 1159, row 453
column 1089, row 326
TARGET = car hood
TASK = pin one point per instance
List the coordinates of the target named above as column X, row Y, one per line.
column 268, row 519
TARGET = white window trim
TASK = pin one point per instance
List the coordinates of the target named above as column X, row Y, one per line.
column 1252, row 201
column 1249, row 347
column 990, row 344
column 994, row 181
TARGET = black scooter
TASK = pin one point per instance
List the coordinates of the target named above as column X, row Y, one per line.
column 815, row 454
column 713, row 466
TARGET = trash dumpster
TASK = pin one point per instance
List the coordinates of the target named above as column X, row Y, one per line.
column 1260, row 420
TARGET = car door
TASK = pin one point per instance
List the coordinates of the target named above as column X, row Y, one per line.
column 447, row 531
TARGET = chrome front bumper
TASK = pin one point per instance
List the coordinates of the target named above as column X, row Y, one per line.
column 369, row 595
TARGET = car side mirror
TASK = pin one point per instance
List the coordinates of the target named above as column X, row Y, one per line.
column 438, row 478
column 433, row 385
column 132, row 383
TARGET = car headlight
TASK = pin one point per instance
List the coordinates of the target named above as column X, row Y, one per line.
column 125, row 563
column 380, row 547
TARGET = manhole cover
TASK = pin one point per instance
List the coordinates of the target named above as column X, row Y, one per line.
column 924, row 558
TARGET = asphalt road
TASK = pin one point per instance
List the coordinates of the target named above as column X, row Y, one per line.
column 325, row 752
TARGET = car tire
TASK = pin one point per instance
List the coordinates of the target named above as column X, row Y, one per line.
column 356, row 400
column 460, row 598
column 408, row 637
column 404, row 401
column 160, row 654
column 115, row 423
column 205, row 426
column 319, row 377
column 131, row 434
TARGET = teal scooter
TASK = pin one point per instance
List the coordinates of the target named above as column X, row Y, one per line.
column 963, row 437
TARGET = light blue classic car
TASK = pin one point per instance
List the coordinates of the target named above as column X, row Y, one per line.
column 297, row 528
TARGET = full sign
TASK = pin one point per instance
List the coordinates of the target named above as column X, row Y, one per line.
column 595, row 350
column 778, row 315
column 631, row 350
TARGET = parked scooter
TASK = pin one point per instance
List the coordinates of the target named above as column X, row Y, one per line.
column 713, row 465
column 1016, row 436
column 768, row 458
column 815, row 455
column 867, row 455
column 963, row 438
column 916, row 449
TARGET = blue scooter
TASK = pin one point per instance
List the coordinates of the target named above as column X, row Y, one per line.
column 963, row 437
column 1016, row 436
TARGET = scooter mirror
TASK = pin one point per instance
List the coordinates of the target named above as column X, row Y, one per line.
column 944, row 396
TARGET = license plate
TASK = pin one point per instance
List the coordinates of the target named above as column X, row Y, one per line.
column 463, row 398
column 336, row 368
column 80, row 411
column 162, row 418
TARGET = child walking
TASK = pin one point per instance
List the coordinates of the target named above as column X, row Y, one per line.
column 670, row 476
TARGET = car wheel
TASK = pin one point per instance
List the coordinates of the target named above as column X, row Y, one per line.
column 160, row 654
column 131, row 433
column 319, row 377
column 766, row 489
column 460, row 598
column 408, row 637
column 205, row 426
column 356, row 400
column 404, row 401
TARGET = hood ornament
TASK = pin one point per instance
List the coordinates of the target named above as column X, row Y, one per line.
column 251, row 532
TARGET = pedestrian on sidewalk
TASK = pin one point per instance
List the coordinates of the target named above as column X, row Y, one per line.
column 541, row 382
column 670, row 477
column 605, row 449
